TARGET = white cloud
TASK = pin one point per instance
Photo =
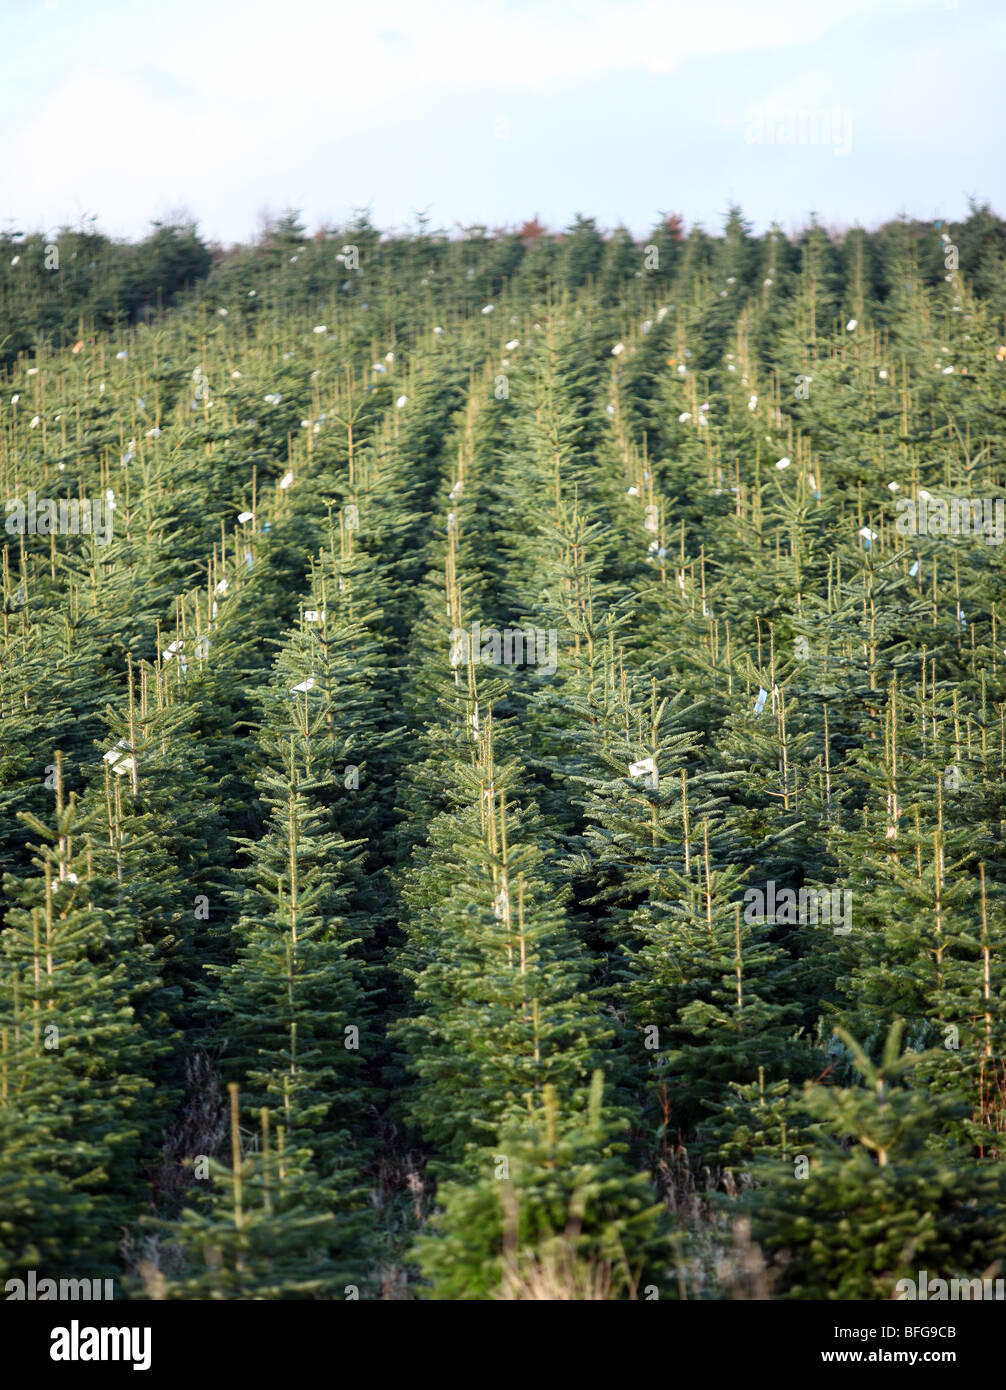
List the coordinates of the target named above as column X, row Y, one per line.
column 233, row 107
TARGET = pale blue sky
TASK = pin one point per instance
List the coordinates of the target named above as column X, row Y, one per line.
column 493, row 112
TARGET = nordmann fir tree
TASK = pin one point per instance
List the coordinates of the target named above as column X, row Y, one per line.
column 77, row 1067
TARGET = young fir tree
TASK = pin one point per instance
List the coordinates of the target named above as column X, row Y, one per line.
column 556, row 1212
column 267, row 1228
column 77, row 1067
column 871, row 1200
column 501, row 1006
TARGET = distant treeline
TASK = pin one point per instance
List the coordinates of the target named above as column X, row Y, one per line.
column 56, row 289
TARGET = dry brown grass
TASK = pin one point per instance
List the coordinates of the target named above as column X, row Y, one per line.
column 556, row 1275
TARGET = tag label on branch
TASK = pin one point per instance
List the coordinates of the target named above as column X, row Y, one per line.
column 646, row 767
column 175, row 649
column 120, row 760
